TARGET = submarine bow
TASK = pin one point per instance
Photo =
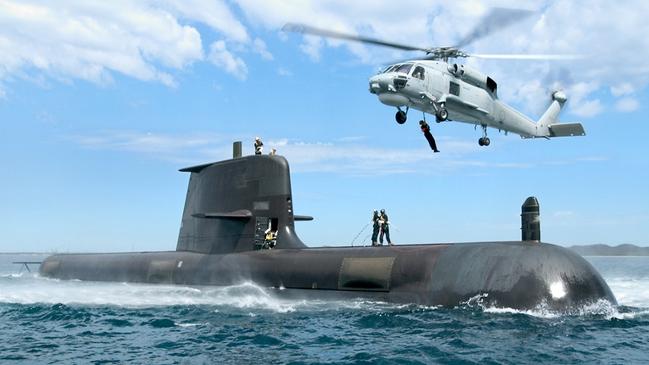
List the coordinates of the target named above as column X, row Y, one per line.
column 231, row 206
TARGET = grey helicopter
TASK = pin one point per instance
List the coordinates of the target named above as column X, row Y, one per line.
column 456, row 92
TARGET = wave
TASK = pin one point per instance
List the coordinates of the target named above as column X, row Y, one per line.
column 29, row 288
column 630, row 291
column 600, row 309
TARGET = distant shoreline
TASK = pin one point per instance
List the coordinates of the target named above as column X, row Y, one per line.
column 26, row 253
column 606, row 250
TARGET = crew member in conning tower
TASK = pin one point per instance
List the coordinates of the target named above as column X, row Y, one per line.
column 259, row 146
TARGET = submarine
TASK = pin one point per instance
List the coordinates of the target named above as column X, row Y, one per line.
column 238, row 225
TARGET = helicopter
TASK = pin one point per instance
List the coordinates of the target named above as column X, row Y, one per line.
column 456, row 92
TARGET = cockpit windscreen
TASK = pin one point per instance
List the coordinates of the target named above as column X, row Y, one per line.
column 401, row 68
column 404, row 68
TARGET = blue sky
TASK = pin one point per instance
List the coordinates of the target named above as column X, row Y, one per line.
column 100, row 105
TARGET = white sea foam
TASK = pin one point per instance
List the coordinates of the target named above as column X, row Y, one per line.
column 629, row 285
column 32, row 289
column 629, row 291
column 479, row 301
column 540, row 311
column 601, row 307
column 189, row 324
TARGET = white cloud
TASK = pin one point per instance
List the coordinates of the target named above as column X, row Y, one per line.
column 151, row 40
column 215, row 14
column 312, row 46
column 622, row 89
column 588, row 108
column 563, row 214
column 346, row 156
column 351, row 139
column 220, row 56
column 185, row 148
column 260, row 48
column 148, row 40
column 627, row 105
column 284, row 72
column 143, row 141
column 91, row 40
column 597, row 34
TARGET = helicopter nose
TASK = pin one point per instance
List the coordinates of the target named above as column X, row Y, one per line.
column 375, row 87
column 380, row 84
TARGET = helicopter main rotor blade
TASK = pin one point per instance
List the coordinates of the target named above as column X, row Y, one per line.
column 306, row 29
column 549, row 57
column 496, row 19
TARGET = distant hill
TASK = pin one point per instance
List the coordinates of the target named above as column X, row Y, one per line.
column 606, row 250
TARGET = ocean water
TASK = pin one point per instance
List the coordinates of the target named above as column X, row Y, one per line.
column 51, row 321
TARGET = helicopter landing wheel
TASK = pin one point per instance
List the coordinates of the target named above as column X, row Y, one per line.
column 401, row 117
column 442, row 115
column 484, row 140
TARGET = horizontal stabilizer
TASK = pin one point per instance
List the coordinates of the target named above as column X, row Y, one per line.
column 237, row 214
column 302, row 218
column 566, row 130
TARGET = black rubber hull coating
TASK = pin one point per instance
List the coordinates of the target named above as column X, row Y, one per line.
column 516, row 275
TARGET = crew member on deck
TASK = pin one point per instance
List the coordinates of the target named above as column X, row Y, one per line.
column 429, row 137
column 385, row 227
column 259, row 146
column 375, row 227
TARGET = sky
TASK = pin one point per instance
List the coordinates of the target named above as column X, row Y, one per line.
column 102, row 102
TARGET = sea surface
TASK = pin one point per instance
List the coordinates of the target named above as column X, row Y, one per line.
column 72, row 322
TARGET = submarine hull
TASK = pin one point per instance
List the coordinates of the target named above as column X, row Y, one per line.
column 518, row 275
column 236, row 210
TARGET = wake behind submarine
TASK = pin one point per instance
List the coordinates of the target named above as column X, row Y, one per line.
column 232, row 204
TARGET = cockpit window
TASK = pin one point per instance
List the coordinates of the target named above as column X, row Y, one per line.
column 405, row 68
column 418, row 72
column 389, row 68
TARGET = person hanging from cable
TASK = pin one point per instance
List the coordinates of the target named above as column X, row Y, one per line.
column 375, row 227
column 385, row 227
column 259, row 146
column 429, row 137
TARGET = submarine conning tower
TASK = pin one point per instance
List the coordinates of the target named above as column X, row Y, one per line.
column 230, row 205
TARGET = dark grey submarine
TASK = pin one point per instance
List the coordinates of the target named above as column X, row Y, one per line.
column 232, row 205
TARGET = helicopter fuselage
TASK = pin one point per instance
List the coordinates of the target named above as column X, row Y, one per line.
column 459, row 93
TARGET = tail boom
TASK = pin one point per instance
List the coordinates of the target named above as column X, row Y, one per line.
column 548, row 125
